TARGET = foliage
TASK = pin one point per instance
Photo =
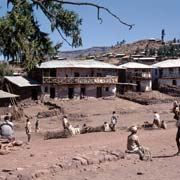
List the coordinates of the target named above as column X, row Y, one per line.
column 21, row 38
column 5, row 70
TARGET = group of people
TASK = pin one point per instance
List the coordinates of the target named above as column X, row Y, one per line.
column 106, row 127
column 28, row 128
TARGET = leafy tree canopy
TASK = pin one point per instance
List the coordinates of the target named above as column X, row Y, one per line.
column 21, row 38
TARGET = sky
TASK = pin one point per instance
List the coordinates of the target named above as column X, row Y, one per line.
column 149, row 17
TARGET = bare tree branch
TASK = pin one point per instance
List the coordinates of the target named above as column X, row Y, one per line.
column 92, row 5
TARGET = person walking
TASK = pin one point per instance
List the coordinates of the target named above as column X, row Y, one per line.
column 28, row 129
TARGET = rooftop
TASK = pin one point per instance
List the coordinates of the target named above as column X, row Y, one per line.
column 4, row 95
column 76, row 64
column 167, row 63
column 22, row 81
column 134, row 65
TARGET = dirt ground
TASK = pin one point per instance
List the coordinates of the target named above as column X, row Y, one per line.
column 39, row 158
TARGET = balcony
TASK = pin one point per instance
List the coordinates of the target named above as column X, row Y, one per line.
column 80, row 80
column 140, row 75
column 170, row 75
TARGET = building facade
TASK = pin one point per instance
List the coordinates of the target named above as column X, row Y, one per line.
column 166, row 73
column 136, row 74
column 76, row 79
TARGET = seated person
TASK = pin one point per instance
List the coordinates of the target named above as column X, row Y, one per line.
column 156, row 121
column 6, row 129
column 106, row 127
column 133, row 144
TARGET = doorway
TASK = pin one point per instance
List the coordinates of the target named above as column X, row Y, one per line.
column 70, row 93
column 99, row 92
column 138, row 87
column 34, row 94
column 52, row 92
column 83, row 92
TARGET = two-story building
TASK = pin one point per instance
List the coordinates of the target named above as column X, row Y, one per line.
column 166, row 73
column 136, row 74
column 77, row 79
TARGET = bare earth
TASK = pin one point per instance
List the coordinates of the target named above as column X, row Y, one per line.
column 39, row 159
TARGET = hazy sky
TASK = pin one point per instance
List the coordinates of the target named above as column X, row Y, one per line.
column 149, row 17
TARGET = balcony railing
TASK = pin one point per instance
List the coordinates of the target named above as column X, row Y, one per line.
column 80, row 80
column 139, row 76
column 170, row 75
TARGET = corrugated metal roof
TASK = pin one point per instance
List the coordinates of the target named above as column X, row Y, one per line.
column 76, row 64
column 134, row 65
column 167, row 63
column 22, row 81
column 4, row 95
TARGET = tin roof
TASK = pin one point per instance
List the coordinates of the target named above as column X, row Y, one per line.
column 134, row 65
column 167, row 63
column 22, row 81
column 76, row 64
column 4, row 95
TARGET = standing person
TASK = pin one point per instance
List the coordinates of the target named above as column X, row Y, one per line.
column 113, row 121
column 37, row 125
column 178, row 135
column 157, row 121
column 133, row 143
column 28, row 129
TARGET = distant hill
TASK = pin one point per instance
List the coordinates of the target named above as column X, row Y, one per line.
column 131, row 48
column 83, row 53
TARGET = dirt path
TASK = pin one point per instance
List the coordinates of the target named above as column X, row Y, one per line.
column 41, row 155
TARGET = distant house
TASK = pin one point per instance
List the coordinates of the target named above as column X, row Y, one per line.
column 22, row 86
column 136, row 74
column 166, row 73
column 75, row 79
column 145, row 60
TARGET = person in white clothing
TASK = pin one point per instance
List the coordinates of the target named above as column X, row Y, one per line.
column 156, row 121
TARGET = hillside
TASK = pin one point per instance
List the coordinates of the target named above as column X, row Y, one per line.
column 84, row 52
column 131, row 48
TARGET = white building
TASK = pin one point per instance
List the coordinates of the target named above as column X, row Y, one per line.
column 139, row 74
column 166, row 72
column 77, row 79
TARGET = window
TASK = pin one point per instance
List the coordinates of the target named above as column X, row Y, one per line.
column 107, row 89
column 174, row 82
column 171, row 70
column 76, row 74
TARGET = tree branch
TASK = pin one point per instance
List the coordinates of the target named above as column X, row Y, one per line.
column 92, row 5
column 50, row 15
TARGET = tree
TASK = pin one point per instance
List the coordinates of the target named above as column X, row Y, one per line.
column 21, row 37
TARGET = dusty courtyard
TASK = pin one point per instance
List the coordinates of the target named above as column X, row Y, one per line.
column 40, row 158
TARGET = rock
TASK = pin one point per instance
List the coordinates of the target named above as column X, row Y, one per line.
column 40, row 173
column 140, row 173
column 7, row 170
column 2, row 177
column 81, row 159
column 3, row 152
column 24, row 177
column 19, row 169
column 18, row 143
column 118, row 153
